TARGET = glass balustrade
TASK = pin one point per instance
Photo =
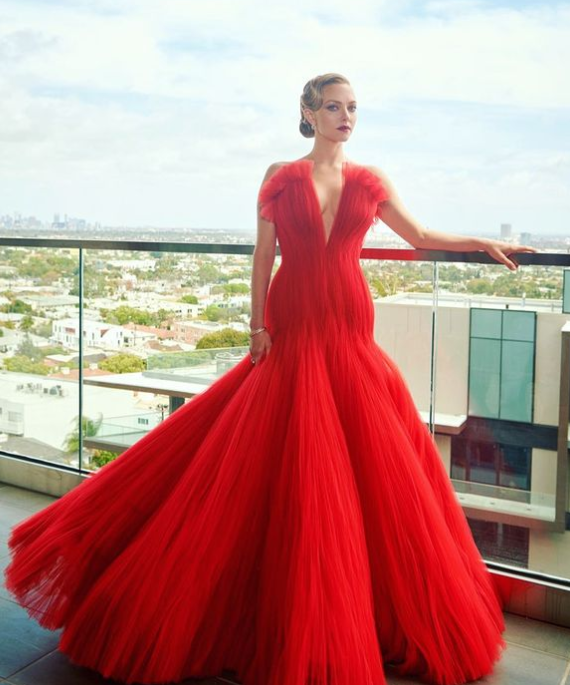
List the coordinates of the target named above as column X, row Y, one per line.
column 122, row 335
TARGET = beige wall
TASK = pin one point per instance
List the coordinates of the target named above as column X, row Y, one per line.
column 403, row 330
column 543, row 473
column 549, row 553
column 452, row 370
column 443, row 444
column 547, row 372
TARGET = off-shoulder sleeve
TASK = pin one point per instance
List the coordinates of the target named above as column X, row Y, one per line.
column 381, row 196
column 377, row 191
column 269, row 192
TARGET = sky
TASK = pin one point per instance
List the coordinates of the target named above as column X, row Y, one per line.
column 167, row 114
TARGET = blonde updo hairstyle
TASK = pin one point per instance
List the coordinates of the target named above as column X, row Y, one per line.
column 312, row 98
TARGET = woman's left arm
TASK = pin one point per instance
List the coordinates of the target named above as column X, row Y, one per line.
column 395, row 215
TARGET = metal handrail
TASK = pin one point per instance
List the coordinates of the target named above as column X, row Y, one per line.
column 389, row 254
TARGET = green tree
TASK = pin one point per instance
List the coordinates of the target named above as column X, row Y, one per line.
column 124, row 362
column 90, row 429
column 26, row 323
column 95, row 283
column 480, row 286
column 227, row 337
column 208, row 272
column 27, row 349
column 166, row 266
column 101, row 457
column 215, row 313
column 189, row 299
column 46, row 265
column 49, row 277
column 161, row 318
column 17, row 307
column 237, row 288
column 44, row 329
column 125, row 314
column 230, row 289
column 21, row 364
column 450, row 273
column 388, row 284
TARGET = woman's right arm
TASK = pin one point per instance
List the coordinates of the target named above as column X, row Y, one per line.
column 263, row 260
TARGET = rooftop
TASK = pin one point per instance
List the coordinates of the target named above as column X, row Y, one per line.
column 467, row 300
column 537, row 653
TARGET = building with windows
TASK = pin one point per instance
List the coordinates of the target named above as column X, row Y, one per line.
column 495, row 403
column 98, row 335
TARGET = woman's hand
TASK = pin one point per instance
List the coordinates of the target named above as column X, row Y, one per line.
column 259, row 346
column 499, row 249
column 395, row 215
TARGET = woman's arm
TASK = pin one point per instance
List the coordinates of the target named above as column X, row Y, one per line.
column 395, row 215
column 263, row 260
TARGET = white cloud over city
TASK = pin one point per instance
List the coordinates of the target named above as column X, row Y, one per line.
column 167, row 114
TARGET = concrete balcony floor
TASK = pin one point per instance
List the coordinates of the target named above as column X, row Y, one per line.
column 537, row 654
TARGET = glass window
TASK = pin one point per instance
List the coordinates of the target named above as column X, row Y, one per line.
column 483, row 466
column 484, row 377
column 501, row 542
column 491, row 463
column 459, row 460
column 516, row 381
column 501, row 364
column 518, row 325
column 515, row 466
column 486, row 323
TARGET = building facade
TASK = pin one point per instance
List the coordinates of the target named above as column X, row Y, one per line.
column 495, row 405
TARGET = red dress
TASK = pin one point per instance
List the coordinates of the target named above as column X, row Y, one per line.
column 294, row 522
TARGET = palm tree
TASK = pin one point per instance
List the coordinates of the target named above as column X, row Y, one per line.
column 90, row 428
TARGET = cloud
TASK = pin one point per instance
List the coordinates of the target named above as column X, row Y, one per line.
column 138, row 113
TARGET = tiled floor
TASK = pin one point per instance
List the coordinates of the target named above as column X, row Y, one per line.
column 537, row 653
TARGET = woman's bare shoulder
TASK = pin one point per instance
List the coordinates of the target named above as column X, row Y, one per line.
column 272, row 168
column 377, row 172
column 386, row 182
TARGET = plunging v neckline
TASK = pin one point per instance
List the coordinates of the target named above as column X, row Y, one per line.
column 326, row 239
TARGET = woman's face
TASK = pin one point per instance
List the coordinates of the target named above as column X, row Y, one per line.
column 337, row 116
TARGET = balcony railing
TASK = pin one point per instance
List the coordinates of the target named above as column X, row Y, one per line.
column 490, row 374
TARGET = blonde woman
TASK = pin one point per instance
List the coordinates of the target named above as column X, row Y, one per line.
column 294, row 523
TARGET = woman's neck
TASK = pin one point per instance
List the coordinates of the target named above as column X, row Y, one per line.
column 329, row 155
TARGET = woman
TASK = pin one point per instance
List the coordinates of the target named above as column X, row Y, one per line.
column 329, row 115
column 294, row 522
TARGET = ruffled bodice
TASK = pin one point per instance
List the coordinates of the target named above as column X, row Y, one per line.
column 288, row 199
column 340, row 301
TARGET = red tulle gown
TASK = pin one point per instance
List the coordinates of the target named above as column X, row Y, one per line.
column 293, row 523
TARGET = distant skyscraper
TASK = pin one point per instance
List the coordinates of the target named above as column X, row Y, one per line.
column 506, row 231
column 526, row 238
